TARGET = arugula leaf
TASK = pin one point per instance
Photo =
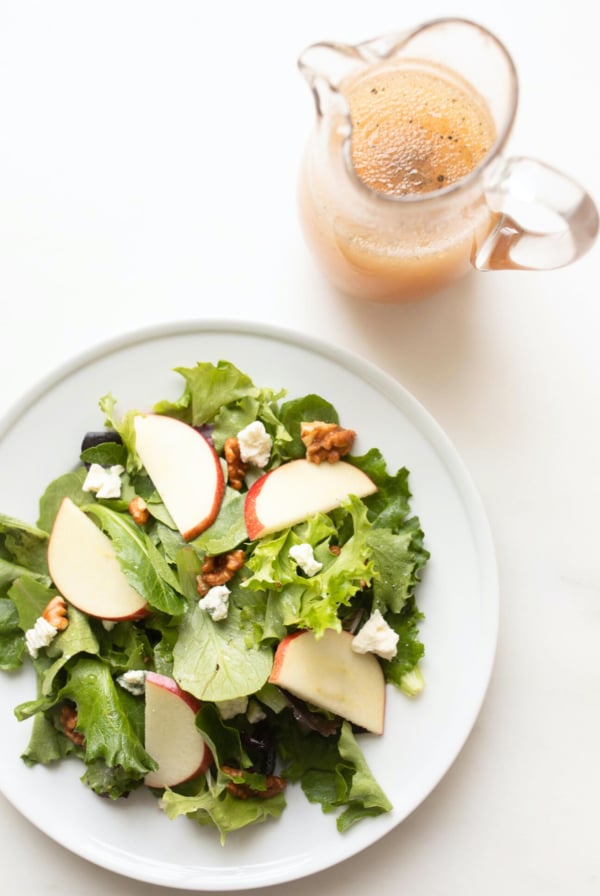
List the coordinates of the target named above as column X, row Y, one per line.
column 9, row 572
column 124, row 427
column 30, row 598
column 67, row 486
column 228, row 530
column 107, row 454
column 77, row 638
column 145, row 567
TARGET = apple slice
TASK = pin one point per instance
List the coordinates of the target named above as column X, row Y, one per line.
column 298, row 489
column 184, row 468
column 84, row 567
column 171, row 736
column 329, row 674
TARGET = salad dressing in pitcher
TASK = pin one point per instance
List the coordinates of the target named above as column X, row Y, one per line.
column 403, row 188
column 416, row 128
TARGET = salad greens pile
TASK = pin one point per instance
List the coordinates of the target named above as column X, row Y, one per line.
column 372, row 555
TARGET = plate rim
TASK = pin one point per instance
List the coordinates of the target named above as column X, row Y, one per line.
column 446, row 453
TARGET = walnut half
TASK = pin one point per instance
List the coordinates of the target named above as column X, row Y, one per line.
column 56, row 613
column 326, row 441
column 236, row 467
column 68, row 721
column 274, row 784
column 219, row 569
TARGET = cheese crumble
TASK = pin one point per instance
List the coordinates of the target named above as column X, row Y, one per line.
column 376, row 636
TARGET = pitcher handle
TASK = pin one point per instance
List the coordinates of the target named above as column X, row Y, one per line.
column 525, row 192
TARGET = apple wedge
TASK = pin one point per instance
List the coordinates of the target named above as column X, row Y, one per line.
column 298, row 489
column 171, row 736
column 84, row 567
column 184, row 468
column 328, row 673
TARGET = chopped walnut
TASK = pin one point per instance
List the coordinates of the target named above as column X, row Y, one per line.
column 68, row 721
column 273, row 785
column 138, row 509
column 326, row 441
column 219, row 569
column 236, row 467
column 56, row 613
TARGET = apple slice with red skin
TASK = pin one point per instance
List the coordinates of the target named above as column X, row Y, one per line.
column 84, row 567
column 171, row 736
column 328, row 673
column 184, row 468
column 298, row 489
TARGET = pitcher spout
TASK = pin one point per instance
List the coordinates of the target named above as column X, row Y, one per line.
column 325, row 67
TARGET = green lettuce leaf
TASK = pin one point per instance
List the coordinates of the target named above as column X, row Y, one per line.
column 410, row 649
column 319, row 598
column 390, row 504
column 46, row 743
column 332, row 772
column 24, row 545
column 223, row 811
column 12, row 641
column 304, row 410
column 226, row 398
column 208, row 388
column 213, row 660
column 112, row 782
column 104, row 718
column 397, row 565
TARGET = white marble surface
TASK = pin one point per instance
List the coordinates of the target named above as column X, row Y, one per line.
column 148, row 157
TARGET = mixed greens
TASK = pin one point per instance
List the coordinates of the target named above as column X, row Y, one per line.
column 370, row 556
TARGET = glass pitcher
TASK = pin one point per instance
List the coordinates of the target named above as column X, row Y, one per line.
column 394, row 241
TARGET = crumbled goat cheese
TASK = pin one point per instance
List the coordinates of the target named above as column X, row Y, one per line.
column 228, row 709
column 216, row 602
column 106, row 482
column 255, row 712
column 255, row 444
column 376, row 636
column 303, row 555
column 134, row 681
column 42, row 634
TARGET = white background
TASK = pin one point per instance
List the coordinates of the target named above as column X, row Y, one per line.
column 148, row 162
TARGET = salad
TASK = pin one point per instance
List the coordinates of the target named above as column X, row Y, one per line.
column 214, row 599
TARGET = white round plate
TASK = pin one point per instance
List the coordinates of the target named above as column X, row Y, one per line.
column 40, row 439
